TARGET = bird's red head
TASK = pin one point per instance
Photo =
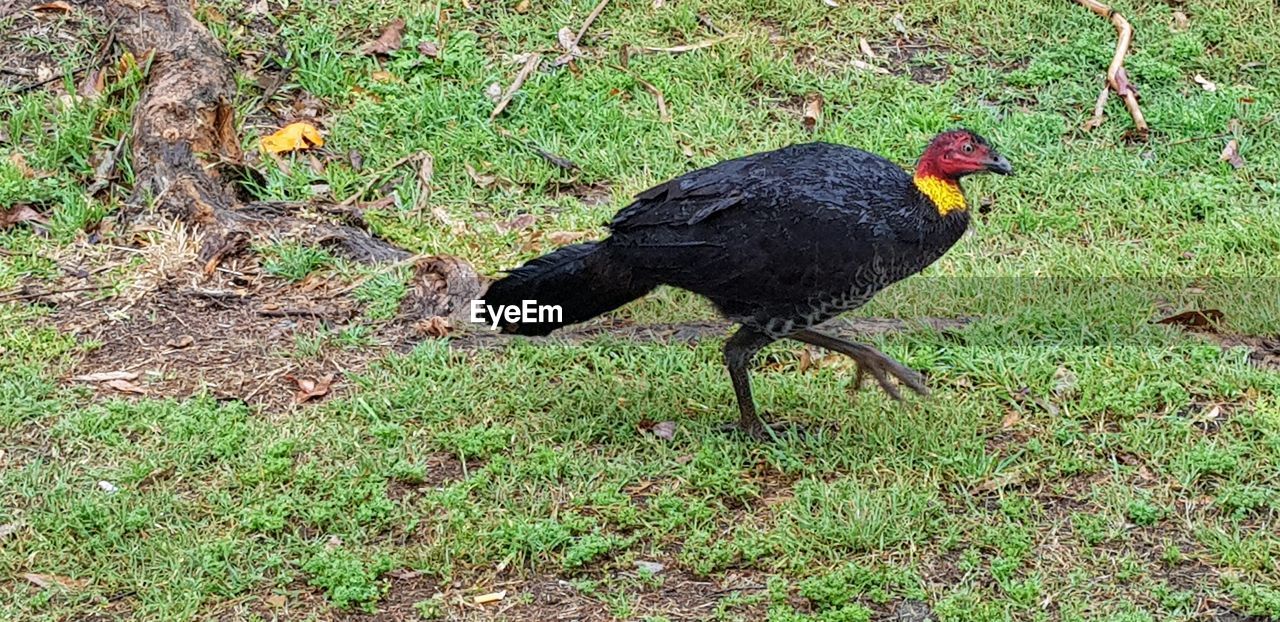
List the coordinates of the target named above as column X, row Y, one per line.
column 957, row 153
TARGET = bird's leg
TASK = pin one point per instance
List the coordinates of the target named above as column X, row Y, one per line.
column 869, row 360
column 738, row 352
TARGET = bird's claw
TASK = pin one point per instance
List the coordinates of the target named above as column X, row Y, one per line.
column 881, row 367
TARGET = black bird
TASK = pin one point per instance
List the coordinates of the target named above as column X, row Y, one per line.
column 779, row 241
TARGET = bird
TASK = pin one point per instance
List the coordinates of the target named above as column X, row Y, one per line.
column 778, row 241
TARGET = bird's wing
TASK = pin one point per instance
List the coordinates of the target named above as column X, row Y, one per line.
column 690, row 198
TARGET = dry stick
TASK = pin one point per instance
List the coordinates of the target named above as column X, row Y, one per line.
column 374, row 180
column 529, row 65
column 1116, row 77
column 591, row 17
column 663, row 115
column 33, row 295
column 1098, row 109
column 686, row 48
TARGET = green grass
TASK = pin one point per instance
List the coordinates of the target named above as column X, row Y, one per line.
column 1063, row 469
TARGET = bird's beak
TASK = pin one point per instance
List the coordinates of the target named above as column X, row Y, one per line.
column 997, row 164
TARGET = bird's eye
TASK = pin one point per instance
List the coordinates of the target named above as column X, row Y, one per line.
column 968, row 147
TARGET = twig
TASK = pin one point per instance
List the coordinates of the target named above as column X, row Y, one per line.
column 1117, row 79
column 35, row 85
column 663, row 115
column 686, row 48
column 529, row 65
column 1099, row 108
column 591, row 17
column 557, row 160
column 34, row 295
column 374, row 180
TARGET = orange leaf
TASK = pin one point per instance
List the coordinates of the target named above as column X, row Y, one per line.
column 53, row 7
column 293, row 137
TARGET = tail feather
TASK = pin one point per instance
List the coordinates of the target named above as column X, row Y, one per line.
column 582, row 280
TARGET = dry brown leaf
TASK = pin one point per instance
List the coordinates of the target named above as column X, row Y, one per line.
column 865, row 66
column 105, row 376
column 276, row 601
column 1010, row 420
column 1205, row 83
column 49, row 580
column 383, row 76
column 309, row 389
column 19, row 162
column 523, row 221
column 812, row 111
column 18, row 214
column 522, row 7
column 831, row 3
column 491, row 597
column 865, row 48
column 184, row 341
column 484, row 181
column 430, row 49
column 8, row 529
column 293, row 137
column 1231, row 154
column 566, row 237
column 404, row 574
column 426, row 171
column 1180, row 21
column 390, row 40
column 124, row 386
column 568, row 41
column 665, row 430
column 1064, row 382
column 434, row 326
column 52, row 7
column 94, row 83
column 1198, row 318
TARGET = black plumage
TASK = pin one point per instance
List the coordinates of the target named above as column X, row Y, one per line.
column 779, row 242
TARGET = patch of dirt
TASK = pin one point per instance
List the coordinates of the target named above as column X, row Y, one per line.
column 1263, row 351
column 26, row 67
column 915, row 56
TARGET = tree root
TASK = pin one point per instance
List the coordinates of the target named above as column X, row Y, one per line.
column 1117, row 79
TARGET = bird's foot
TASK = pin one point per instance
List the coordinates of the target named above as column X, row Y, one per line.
column 759, row 430
column 881, row 366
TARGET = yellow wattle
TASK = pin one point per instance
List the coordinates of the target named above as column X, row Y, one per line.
column 945, row 194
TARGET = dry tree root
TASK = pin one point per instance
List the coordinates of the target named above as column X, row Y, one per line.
column 184, row 138
column 184, row 134
column 1117, row 79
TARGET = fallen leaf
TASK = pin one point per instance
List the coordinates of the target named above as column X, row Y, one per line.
column 484, row 181
column 293, row 137
column 104, row 376
column 404, row 574
column 49, row 580
column 332, row 542
column 812, row 111
column 523, row 221
column 108, row 487
column 18, row 214
column 356, row 159
column 426, row 171
column 52, row 7
column 1198, row 318
column 686, row 48
column 19, row 162
column 1205, row 83
column 899, row 23
column 383, row 76
column 8, row 529
column 389, row 41
column 865, row 66
column 491, row 597
column 309, row 389
column 434, row 326
column 124, row 386
column 1180, row 20
column 184, row 341
column 568, row 41
column 276, row 601
column 658, row 4
column 1231, row 154
column 522, row 7
column 429, row 49
column 93, row 84
column 865, row 48
column 831, row 3
column 565, row 237
column 1010, row 420
column 665, row 430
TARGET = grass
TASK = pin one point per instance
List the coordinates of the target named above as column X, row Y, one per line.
column 1068, row 467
